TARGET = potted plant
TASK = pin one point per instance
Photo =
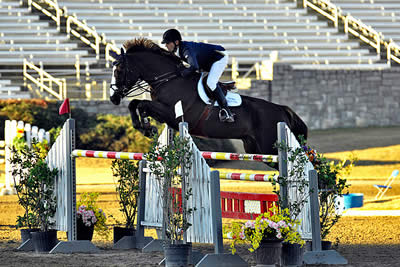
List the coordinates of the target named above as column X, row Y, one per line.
column 332, row 184
column 266, row 235
column 45, row 205
column 297, row 159
column 127, row 187
column 90, row 217
column 171, row 165
column 23, row 160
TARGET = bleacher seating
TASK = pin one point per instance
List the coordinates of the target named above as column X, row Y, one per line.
column 382, row 15
column 24, row 35
column 250, row 30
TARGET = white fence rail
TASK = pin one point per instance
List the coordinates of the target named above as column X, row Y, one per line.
column 65, row 184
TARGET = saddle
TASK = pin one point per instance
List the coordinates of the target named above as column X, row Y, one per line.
column 225, row 86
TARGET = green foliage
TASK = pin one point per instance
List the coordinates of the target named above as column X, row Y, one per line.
column 114, row 133
column 101, row 132
column 89, row 200
column 34, row 183
column 272, row 225
column 45, row 200
column 37, row 112
column 297, row 160
column 127, row 186
column 164, row 162
column 332, row 183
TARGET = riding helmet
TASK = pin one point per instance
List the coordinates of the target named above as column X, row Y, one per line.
column 171, row 35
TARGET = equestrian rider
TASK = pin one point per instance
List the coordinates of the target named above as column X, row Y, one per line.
column 202, row 57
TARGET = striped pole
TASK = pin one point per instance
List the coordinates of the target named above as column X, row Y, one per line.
column 236, row 156
column 247, row 176
column 205, row 154
column 107, row 154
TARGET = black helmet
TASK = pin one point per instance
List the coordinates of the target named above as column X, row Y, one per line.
column 171, row 35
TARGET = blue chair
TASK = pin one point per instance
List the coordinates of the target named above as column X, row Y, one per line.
column 383, row 188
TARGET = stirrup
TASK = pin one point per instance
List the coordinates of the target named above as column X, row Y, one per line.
column 226, row 116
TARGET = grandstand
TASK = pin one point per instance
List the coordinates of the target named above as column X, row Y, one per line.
column 249, row 30
column 382, row 15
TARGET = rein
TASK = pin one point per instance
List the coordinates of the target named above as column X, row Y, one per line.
column 143, row 86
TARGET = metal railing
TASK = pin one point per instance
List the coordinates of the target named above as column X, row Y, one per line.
column 325, row 8
column 54, row 7
column 72, row 20
column 393, row 52
column 356, row 27
column 43, row 78
column 364, row 32
column 263, row 71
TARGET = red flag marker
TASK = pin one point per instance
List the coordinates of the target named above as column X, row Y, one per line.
column 64, row 108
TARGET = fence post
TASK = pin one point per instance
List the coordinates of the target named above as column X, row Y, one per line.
column 318, row 256
column 216, row 212
column 283, row 169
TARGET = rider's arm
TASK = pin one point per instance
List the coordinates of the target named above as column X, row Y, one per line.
column 190, row 57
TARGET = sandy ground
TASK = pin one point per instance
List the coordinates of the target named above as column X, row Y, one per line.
column 363, row 241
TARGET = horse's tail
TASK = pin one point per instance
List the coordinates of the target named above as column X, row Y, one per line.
column 296, row 124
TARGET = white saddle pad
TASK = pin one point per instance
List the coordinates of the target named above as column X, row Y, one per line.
column 234, row 99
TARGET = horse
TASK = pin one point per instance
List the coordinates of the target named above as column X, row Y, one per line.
column 144, row 61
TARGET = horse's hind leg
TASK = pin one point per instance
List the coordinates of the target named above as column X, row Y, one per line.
column 250, row 145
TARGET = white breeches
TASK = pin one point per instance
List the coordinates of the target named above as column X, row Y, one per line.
column 216, row 71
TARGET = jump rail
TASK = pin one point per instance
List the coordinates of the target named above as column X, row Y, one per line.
column 141, row 156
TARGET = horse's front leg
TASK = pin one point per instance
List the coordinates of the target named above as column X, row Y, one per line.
column 157, row 110
column 135, row 115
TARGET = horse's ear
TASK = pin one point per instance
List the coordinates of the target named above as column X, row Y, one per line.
column 122, row 51
column 114, row 54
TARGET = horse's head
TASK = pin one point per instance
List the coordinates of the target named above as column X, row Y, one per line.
column 123, row 78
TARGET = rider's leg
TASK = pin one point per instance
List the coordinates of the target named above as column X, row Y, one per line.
column 213, row 77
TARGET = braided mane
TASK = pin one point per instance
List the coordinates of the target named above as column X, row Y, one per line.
column 144, row 44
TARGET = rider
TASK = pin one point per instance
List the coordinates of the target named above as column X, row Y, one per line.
column 202, row 57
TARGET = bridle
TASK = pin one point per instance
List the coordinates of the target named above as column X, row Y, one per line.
column 141, row 86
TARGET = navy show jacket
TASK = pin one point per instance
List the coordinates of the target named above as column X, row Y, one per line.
column 200, row 56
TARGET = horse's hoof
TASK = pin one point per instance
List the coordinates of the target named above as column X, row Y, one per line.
column 151, row 132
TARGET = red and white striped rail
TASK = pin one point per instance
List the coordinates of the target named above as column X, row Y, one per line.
column 247, row 176
column 236, row 156
column 205, row 154
column 107, row 154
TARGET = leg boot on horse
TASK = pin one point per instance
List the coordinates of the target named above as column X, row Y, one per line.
column 225, row 115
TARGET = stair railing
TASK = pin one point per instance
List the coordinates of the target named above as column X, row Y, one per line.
column 53, row 7
column 43, row 78
column 73, row 21
column 325, row 8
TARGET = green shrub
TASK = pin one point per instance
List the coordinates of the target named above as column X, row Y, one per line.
column 114, row 133
column 101, row 132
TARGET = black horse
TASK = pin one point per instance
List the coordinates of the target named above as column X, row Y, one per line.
column 255, row 121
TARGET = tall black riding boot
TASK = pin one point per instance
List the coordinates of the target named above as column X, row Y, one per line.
column 225, row 115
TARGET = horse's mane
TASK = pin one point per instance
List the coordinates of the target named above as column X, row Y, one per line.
column 144, row 44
